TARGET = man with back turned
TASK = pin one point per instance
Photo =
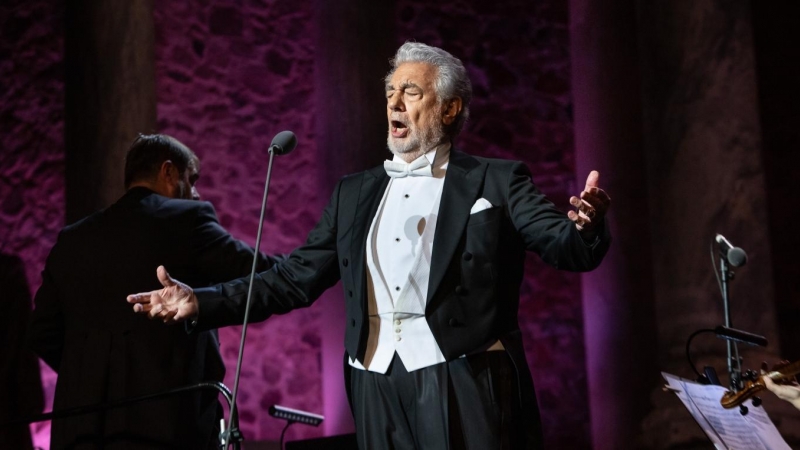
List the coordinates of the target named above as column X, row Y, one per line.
column 430, row 251
column 103, row 353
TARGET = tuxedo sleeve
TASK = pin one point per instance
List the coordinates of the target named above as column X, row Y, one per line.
column 294, row 283
column 216, row 255
column 548, row 231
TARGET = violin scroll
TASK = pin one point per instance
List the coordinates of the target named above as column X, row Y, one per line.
column 753, row 382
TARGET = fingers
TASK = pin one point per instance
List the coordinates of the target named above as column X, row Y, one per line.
column 142, row 297
column 592, row 180
column 158, row 310
column 169, row 316
column 579, row 222
column 785, row 392
column 150, row 303
column 164, row 278
column 586, row 213
column 592, row 204
column 156, row 306
column 174, row 303
column 597, row 197
column 141, row 302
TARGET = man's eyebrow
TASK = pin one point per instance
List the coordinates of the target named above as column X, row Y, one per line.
column 404, row 86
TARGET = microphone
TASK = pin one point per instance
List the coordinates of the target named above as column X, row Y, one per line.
column 736, row 256
column 283, row 143
column 732, row 334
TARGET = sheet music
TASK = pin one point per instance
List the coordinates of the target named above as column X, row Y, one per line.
column 765, row 429
column 726, row 428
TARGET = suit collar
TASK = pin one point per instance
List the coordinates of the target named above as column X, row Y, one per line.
column 463, row 162
column 138, row 192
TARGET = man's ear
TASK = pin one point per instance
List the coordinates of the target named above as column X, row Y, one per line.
column 451, row 109
column 167, row 171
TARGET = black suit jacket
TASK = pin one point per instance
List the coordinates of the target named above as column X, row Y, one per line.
column 476, row 268
column 86, row 331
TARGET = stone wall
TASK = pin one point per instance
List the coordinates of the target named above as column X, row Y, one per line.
column 32, row 142
column 229, row 76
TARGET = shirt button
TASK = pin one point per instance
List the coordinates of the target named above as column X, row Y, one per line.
column 397, row 322
column 406, row 196
column 397, row 239
column 397, row 330
column 398, row 338
column 397, row 288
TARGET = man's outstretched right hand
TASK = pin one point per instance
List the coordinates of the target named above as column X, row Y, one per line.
column 174, row 303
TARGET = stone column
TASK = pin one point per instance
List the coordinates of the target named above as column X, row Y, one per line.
column 354, row 43
column 705, row 176
column 110, row 96
column 618, row 296
column 776, row 36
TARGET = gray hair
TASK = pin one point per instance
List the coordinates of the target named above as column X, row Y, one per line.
column 451, row 78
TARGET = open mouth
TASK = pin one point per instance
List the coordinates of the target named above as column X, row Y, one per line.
column 398, row 129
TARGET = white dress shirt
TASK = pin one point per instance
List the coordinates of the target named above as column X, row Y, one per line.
column 399, row 245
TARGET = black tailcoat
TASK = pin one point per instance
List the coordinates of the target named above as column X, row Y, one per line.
column 476, row 269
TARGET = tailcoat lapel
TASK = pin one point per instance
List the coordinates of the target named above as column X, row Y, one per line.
column 462, row 184
column 373, row 185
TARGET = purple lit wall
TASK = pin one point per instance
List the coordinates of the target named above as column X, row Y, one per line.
column 32, row 143
column 229, row 76
column 231, row 73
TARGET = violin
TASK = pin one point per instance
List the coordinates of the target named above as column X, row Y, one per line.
column 781, row 373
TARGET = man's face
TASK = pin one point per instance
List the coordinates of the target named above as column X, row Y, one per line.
column 185, row 185
column 413, row 110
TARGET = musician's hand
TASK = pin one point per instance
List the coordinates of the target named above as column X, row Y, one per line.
column 788, row 392
column 174, row 303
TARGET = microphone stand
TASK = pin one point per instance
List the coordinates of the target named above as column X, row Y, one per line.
column 232, row 434
column 734, row 370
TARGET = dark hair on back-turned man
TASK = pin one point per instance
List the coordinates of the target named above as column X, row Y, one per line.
column 149, row 151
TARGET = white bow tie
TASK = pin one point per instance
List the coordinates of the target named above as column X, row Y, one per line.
column 420, row 167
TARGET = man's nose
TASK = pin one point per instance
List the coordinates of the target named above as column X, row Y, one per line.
column 394, row 102
column 195, row 194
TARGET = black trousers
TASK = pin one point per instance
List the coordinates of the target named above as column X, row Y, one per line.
column 470, row 403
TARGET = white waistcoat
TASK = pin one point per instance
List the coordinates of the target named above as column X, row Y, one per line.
column 399, row 246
